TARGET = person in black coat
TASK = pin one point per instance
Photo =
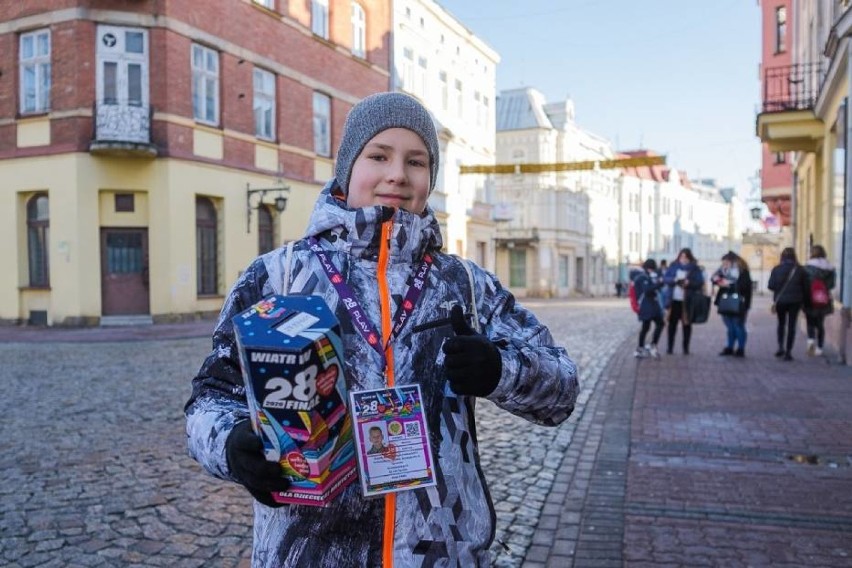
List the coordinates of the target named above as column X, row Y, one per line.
column 791, row 291
column 648, row 284
column 684, row 279
column 734, row 279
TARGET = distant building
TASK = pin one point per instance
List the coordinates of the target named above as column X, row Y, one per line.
column 453, row 72
column 135, row 135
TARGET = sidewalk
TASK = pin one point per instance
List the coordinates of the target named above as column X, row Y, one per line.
column 30, row 334
column 704, row 460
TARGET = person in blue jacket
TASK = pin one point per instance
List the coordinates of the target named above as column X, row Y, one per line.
column 648, row 285
column 684, row 279
column 733, row 277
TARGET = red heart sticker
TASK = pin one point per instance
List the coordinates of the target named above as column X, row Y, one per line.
column 299, row 464
column 326, row 380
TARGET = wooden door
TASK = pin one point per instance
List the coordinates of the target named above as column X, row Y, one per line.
column 124, row 272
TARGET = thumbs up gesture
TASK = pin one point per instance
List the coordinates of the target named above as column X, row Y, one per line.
column 472, row 361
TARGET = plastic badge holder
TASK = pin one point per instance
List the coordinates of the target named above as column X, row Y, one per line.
column 291, row 354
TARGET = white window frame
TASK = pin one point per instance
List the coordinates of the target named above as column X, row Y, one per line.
column 359, row 31
column 459, row 98
column 38, row 64
column 264, row 103
column 322, row 124
column 118, row 54
column 204, row 79
column 319, row 18
column 422, row 74
column 445, row 90
column 266, row 3
column 408, row 69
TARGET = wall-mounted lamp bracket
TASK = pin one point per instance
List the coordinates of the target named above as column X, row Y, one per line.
column 281, row 192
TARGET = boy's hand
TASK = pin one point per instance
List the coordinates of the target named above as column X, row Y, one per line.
column 244, row 452
column 472, row 361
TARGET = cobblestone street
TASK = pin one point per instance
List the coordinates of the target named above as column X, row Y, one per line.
column 96, row 472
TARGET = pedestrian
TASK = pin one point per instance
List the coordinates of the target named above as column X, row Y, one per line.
column 684, row 279
column 648, row 284
column 821, row 279
column 734, row 281
column 789, row 284
column 373, row 223
column 618, row 288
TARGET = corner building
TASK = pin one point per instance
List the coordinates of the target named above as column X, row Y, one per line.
column 137, row 137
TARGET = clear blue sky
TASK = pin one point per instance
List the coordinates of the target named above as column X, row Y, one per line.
column 676, row 76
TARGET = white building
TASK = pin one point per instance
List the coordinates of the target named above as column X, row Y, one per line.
column 442, row 63
column 557, row 230
column 664, row 211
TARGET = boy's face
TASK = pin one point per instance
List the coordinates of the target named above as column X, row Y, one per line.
column 376, row 438
column 392, row 170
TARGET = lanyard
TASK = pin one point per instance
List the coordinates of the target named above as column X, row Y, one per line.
column 356, row 313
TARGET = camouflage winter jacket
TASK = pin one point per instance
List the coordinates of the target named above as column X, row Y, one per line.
column 453, row 523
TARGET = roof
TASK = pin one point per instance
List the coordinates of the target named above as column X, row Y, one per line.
column 520, row 109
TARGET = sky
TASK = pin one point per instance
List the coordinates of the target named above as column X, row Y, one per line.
column 680, row 77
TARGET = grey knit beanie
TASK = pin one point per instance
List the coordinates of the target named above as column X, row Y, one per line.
column 377, row 113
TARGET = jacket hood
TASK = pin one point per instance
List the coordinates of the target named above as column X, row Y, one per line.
column 821, row 263
column 357, row 231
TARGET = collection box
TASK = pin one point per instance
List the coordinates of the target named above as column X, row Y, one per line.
column 291, row 354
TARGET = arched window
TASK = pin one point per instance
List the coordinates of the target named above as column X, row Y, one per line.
column 265, row 230
column 206, row 247
column 38, row 233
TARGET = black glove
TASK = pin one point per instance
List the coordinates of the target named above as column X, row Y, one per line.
column 244, row 452
column 472, row 361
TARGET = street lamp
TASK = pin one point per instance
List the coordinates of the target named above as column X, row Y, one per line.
column 280, row 201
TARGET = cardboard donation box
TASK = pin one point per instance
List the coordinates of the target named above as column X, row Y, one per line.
column 291, row 355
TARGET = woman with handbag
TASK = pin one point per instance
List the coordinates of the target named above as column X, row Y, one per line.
column 789, row 284
column 648, row 284
column 684, row 279
column 733, row 301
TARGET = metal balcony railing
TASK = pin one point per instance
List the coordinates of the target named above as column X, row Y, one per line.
column 117, row 121
column 792, row 87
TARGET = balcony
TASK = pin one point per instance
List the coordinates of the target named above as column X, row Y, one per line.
column 122, row 130
column 788, row 122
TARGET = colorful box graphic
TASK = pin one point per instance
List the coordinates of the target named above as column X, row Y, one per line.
column 291, row 354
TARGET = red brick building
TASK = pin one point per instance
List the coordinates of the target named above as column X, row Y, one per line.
column 132, row 133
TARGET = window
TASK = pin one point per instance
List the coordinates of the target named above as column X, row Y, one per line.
column 408, row 69
column 780, row 29
column 477, row 99
column 122, row 74
column 264, row 104
column 38, row 233
column 35, row 72
column 445, row 90
column 206, row 247
column 266, row 3
column 205, row 85
column 422, row 69
column 265, row 230
column 359, row 31
column 563, row 271
column 486, row 111
column 459, row 98
column 517, row 268
column 319, row 18
column 322, row 124
column 780, row 157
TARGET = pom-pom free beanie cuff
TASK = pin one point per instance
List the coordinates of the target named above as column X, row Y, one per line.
column 375, row 114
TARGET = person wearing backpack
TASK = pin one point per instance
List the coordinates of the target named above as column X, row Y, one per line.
column 789, row 284
column 822, row 276
column 648, row 284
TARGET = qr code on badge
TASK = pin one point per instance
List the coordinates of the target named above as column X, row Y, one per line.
column 412, row 429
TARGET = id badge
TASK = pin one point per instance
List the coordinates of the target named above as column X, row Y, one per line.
column 391, row 439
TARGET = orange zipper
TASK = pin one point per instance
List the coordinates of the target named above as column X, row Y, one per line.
column 384, row 301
